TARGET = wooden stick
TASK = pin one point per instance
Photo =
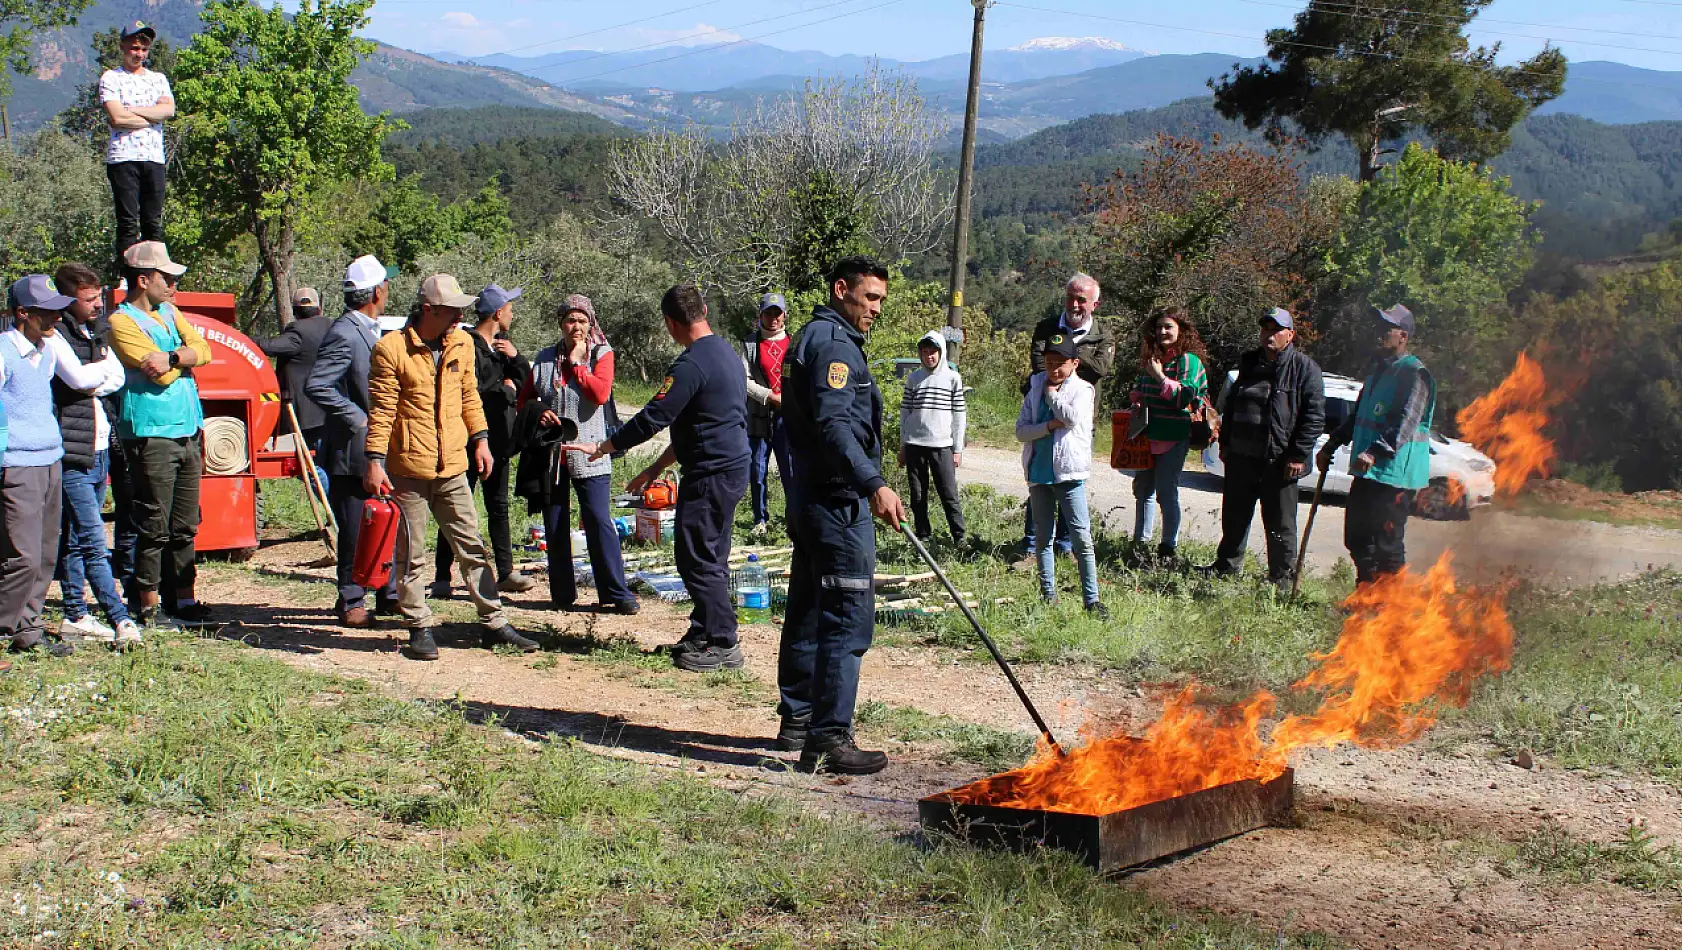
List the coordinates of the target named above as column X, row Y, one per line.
column 1302, row 550
column 327, row 540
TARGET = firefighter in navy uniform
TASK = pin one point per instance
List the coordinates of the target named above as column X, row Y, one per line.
column 833, row 413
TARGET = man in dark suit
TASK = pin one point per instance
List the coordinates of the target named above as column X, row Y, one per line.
column 294, row 351
column 338, row 383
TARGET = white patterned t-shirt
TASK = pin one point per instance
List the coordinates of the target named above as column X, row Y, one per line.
column 134, row 90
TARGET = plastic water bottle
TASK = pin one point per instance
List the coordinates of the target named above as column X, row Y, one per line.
column 753, row 592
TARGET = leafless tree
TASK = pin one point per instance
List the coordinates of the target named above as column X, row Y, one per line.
column 845, row 162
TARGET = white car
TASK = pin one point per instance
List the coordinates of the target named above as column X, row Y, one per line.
column 1452, row 461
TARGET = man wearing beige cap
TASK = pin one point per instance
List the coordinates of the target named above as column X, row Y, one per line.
column 161, row 425
column 294, row 351
column 426, row 425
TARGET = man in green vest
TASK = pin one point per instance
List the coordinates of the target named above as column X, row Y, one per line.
column 1389, row 439
column 161, row 426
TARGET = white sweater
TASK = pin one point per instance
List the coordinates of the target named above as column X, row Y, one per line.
column 932, row 413
column 1071, row 446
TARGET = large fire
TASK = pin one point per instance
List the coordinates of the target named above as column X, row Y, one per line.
column 1412, row 643
column 1506, row 423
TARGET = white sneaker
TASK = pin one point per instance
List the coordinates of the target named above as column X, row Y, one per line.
column 128, row 635
column 760, row 529
column 88, row 628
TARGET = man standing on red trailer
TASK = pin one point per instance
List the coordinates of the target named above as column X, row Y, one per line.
column 425, row 418
column 162, row 428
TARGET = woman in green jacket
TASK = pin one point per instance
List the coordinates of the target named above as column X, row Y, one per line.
column 1172, row 384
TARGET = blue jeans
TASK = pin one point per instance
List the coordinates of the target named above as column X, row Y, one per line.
column 83, row 557
column 1068, row 501
column 1161, row 483
column 759, row 469
column 1064, row 544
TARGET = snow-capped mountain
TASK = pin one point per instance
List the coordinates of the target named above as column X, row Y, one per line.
column 1062, row 44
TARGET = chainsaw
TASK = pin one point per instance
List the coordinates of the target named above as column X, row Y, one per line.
column 658, row 496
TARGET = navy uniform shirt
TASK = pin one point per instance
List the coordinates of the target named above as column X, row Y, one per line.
column 704, row 400
column 833, row 411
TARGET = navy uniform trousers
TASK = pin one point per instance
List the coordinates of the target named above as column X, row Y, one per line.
column 831, row 615
column 706, row 513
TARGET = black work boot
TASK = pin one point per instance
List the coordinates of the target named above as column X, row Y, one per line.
column 507, row 636
column 839, row 755
column 709, row 659
column 421, row 645
column 791, row 737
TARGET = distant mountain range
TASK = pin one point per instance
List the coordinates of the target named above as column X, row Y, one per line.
column 1034, row 86
column 700, row 69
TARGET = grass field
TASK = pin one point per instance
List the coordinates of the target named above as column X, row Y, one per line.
column 196, row 794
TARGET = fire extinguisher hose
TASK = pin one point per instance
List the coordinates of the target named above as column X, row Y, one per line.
column 225, row 446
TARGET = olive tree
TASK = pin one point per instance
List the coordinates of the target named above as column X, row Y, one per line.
column 846, row 165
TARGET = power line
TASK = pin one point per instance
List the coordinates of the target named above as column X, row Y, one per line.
column 745, row 39
column 710, row 30
column 1298, row 45
column 619, row 26
column 1322, row 6
column 1484, row 19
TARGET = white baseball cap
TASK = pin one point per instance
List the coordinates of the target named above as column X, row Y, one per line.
column 367, row 272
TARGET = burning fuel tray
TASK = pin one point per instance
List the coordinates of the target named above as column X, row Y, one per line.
column 1121, row 839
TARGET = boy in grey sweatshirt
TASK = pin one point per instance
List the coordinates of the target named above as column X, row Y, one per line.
column 931, row 435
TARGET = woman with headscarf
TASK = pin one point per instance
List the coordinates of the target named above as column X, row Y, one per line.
column 1172, row 384
column 566, row 400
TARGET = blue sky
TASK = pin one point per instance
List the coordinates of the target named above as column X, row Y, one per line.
column 1639, row 32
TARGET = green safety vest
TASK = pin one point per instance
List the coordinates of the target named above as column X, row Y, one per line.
column 152, row 411
column 1410, row 467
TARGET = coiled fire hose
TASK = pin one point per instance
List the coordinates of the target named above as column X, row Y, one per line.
column 226, row 449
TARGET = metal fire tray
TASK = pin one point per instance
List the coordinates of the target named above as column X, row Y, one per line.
column 1122, row 839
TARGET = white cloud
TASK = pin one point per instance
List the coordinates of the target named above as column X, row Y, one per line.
column 460, row 20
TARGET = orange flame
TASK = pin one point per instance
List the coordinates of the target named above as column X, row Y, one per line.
column 1411, row 643
column 1506, row 423
column 1456, row 491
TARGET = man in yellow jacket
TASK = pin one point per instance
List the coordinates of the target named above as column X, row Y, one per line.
column 424, row 419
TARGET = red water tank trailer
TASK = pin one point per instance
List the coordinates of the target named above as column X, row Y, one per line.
column 242, row 410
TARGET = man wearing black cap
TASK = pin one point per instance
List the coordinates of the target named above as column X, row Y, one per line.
column 1389, row 439
column 137, row 101
column 501, row 370
column 1271, row 416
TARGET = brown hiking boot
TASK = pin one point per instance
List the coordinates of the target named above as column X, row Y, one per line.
column 355, row 617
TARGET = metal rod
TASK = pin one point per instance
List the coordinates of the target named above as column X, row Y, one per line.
column 1302, row 549
column 992, row 647
column 966, row 168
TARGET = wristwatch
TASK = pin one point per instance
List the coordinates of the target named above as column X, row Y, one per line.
column 174, row 359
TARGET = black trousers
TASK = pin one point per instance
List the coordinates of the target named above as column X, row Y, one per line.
column 1249, row 480
column 601, row 540
column 137, row 189
column 831, row 616
column 921, row 465
column 1375, row 528
column 496, row 512
column 706, row 513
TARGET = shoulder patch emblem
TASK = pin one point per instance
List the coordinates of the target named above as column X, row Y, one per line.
column 665, row 388
column 838, row 374
column 1057, row 339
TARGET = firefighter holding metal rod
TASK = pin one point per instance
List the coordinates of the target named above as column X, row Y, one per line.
column 833, row 410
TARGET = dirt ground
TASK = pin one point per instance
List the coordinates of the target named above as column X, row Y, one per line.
column 1378, row 860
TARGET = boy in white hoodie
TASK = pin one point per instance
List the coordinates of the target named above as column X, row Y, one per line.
column 1055, row 427
column 932, row 419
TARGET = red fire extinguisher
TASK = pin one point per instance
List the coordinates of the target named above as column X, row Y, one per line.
column 376, row 543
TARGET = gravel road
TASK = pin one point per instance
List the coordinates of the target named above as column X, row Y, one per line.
column 1569, row 552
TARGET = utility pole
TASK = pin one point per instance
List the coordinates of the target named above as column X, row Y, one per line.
column 966, row 165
